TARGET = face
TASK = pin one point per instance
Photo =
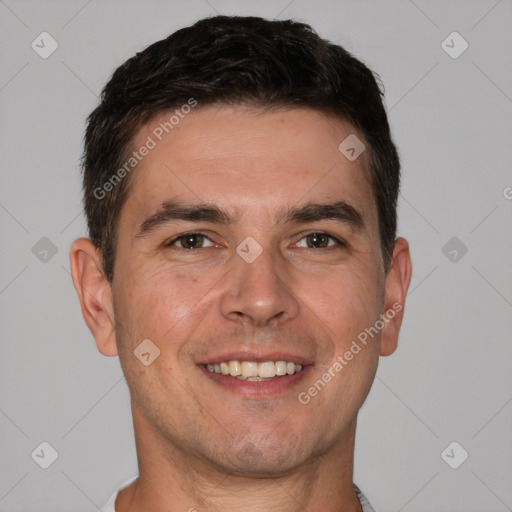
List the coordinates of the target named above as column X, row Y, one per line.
column 250, row 243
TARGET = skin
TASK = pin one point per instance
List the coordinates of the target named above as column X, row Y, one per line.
column 199, row 444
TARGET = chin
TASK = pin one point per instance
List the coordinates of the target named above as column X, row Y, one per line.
column 263, row 459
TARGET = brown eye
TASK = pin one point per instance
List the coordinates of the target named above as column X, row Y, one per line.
column 318, row 240
column 190, row 241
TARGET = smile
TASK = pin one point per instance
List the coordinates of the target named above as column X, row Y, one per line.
column 254, row 371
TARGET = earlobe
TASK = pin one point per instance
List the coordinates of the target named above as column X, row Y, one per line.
column 397, row 284
column 94, row 293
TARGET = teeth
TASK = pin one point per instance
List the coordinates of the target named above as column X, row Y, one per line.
column 253, row 371
column 281, row 367
column 249, row 369
column 267, row 370
column 235, row 368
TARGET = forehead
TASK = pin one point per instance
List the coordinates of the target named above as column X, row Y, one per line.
column 248, row 159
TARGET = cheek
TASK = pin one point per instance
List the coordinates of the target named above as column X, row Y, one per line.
column 345, row 301
column 163, row 303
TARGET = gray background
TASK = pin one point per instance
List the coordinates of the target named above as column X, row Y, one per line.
column 450, row 379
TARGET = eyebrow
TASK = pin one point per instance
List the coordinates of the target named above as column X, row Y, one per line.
column 174, row 211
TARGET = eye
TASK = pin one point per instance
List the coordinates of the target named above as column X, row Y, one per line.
column 319, row 240
column 190, row 241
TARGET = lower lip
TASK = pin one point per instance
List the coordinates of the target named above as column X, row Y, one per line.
column 257, row 389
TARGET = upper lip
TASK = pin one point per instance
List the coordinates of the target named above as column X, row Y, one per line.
column 257, row 357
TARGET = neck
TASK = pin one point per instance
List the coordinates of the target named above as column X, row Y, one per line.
column 172, row 480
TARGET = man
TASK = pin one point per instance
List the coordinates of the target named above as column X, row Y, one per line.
column 240, row 187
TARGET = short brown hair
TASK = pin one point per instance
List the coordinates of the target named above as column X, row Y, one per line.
column 232, row 60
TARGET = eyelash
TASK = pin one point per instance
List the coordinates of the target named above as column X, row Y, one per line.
column 170, row 243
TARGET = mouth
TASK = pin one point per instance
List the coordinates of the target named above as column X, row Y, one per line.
column 253, row 371
column 259, row 376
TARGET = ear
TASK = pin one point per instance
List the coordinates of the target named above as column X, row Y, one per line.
column 95, row 294
column 396, row 286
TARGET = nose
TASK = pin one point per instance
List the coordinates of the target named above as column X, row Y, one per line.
column 259, row 293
